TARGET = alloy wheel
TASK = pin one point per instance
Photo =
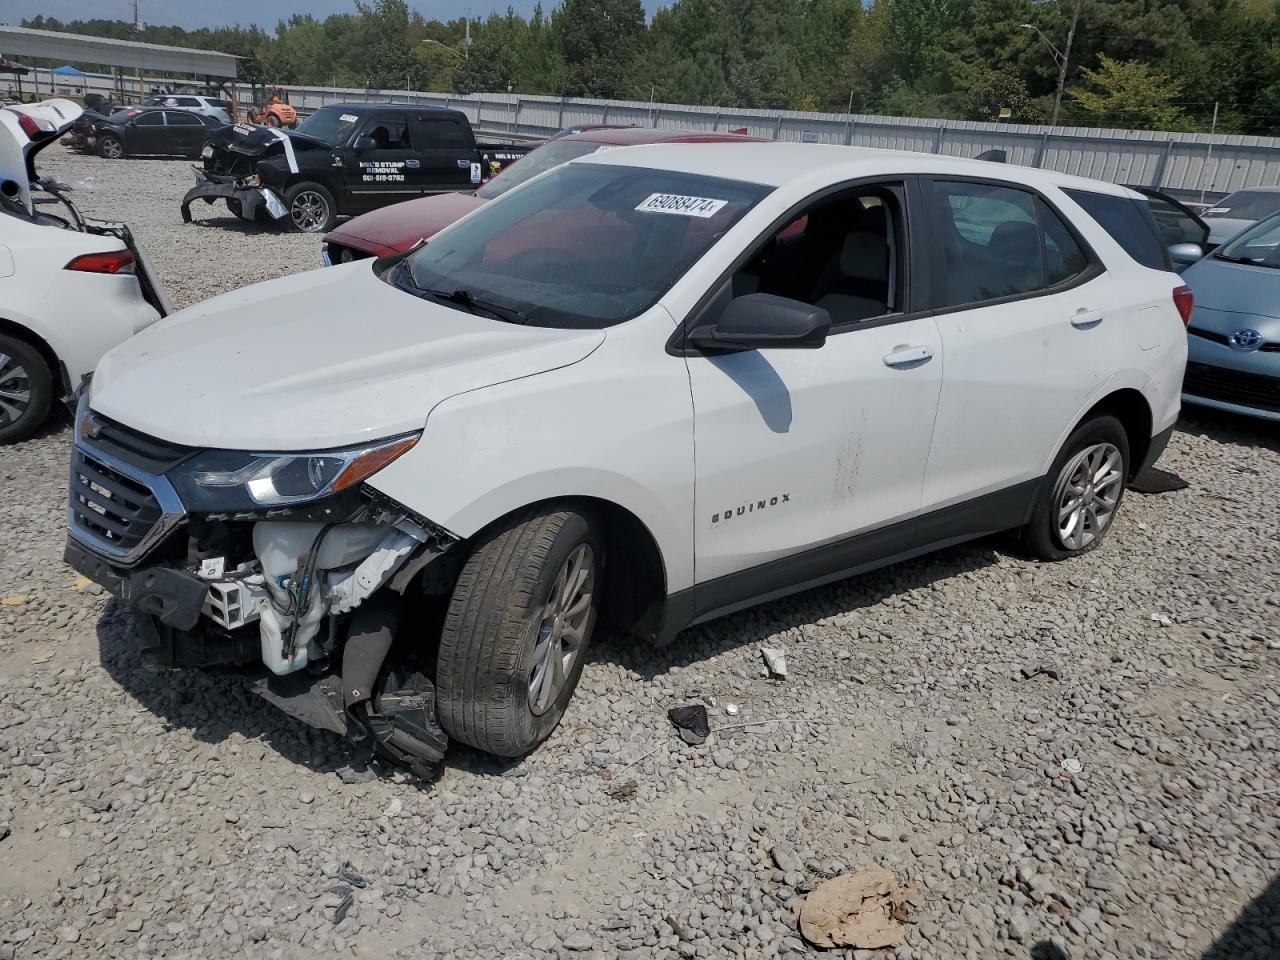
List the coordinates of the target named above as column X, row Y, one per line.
column 1087, row 494
column 15, row 390
column 309, row 211
column 112, row 148
column 562, row 629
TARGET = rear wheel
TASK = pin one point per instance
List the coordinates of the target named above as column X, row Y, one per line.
column 26, row 390
column 517, row 630
column 311, row 208
column 110, row 147
column 1076, row 510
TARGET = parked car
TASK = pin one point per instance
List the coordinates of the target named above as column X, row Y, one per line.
column 509, row 429
column 1234, row 358
column 343, row 159
column 137, row 132
column 1180, row 228
column 1238, row 210
column 219, row 110
column 396, row 228
column 74, row 287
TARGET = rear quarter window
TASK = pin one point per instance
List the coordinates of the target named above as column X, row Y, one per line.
column 1129, row 223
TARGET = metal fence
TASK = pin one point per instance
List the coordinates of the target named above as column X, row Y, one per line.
column 1182, row 163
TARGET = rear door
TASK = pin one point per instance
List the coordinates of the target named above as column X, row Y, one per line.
column 184, row 132
column 1030, row 330
column 389, row 168
column 448, row 153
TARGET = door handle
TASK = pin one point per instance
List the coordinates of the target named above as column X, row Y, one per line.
column 412, row 164
column 908, row 357
column 1084, row 319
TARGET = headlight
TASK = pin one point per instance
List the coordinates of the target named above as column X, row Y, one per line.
column 220, row 480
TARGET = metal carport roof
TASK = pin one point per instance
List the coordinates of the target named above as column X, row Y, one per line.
column 76, row 48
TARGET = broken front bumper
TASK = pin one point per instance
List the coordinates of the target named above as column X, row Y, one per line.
column 252, row 200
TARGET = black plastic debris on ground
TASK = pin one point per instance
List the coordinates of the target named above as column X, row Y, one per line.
column 1040, row 670
column 1154, row 480
column 692, row 723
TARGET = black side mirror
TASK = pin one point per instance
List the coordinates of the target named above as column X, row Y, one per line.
column 762, row 320
column 366, row 143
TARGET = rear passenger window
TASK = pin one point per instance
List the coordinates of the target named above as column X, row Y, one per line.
column 1063, row 258
column 1130, row 224
column 444, row 135
column 999, row 242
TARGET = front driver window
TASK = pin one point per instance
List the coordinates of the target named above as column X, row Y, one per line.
column 841, row 254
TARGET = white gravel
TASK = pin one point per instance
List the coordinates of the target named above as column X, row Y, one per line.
column 174, row 815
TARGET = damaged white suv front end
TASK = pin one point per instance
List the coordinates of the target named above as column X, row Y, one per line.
column 238, row 558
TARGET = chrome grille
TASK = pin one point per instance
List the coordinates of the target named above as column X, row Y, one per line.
column 115, row 509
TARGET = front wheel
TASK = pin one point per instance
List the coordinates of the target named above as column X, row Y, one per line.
column 311, row 208
column 517, row 630
column 110, row 147
column 26, row 390
column 1077, row 505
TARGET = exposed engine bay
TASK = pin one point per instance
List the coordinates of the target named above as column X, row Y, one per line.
column 308, row 597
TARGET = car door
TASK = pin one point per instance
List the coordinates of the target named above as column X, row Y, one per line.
column 184, row 132
column 383, row 166
column 1028, row 325
column 145, row 132
column 809, row 462
column 448, row 155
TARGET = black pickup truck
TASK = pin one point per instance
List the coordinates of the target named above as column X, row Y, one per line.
column 344, row 159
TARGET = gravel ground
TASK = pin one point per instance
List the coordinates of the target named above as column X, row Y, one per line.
column 1126, row 807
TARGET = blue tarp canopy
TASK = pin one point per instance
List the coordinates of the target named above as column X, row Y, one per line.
column 66, row 70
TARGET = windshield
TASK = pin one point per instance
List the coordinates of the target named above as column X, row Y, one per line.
column 1245, row 205
column 1258, row 246
column 536, row 162
column 588, row 245
column 332, row 125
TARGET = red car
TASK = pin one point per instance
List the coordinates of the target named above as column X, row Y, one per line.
column 396, row 228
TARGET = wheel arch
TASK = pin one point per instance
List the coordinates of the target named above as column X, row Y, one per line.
column 42, row 346
column 1131, row 408
column 635, row 572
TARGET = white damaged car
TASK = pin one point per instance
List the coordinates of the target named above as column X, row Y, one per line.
column 648, row 388
column 71, row 288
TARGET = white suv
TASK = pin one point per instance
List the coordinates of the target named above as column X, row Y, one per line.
column 652, row 386
column 205, row 106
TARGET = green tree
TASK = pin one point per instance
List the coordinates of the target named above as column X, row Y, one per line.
column 1128, row 94
column 597, row 38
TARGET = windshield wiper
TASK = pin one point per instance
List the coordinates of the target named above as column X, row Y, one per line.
column 465, row 298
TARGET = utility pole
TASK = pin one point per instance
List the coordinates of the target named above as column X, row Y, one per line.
column 1208, row 157
column 1061, row 57
column 137, row 20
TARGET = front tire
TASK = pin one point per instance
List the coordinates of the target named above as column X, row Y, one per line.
column 112, row 148
column 311, row 208
column 26, row 390
column 517, row 630
column 1082, row 493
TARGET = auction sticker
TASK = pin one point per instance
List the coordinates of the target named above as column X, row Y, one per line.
column 703, row 207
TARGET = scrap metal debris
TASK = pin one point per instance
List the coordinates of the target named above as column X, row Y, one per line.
column 864, row 910
column 775, row 660
column 1041, row 669
column 692, row 723
column 348, row 874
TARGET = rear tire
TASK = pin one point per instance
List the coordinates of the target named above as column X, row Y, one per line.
column 311, row 208
column 517, row 630
column 1082, row 493
column 26, row 390
column 110, row 147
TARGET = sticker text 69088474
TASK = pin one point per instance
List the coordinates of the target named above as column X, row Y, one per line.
column 703, row 207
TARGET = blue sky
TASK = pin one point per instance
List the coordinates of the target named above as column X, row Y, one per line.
column 265, row 13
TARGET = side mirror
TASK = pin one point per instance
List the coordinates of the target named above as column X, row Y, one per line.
column 1185, row 253
column 366, row 143
column 763, row 321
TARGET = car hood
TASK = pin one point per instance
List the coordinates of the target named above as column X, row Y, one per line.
column 1223, row 286
column 18, row 149
column 398, row 227
column 258, row 142
column 317, row 360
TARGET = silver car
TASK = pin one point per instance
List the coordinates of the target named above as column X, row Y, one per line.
column 1233, row 362
column 1235, row 211
column 205, row 106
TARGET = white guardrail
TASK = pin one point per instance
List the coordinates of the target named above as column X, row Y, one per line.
column 1182, row 163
